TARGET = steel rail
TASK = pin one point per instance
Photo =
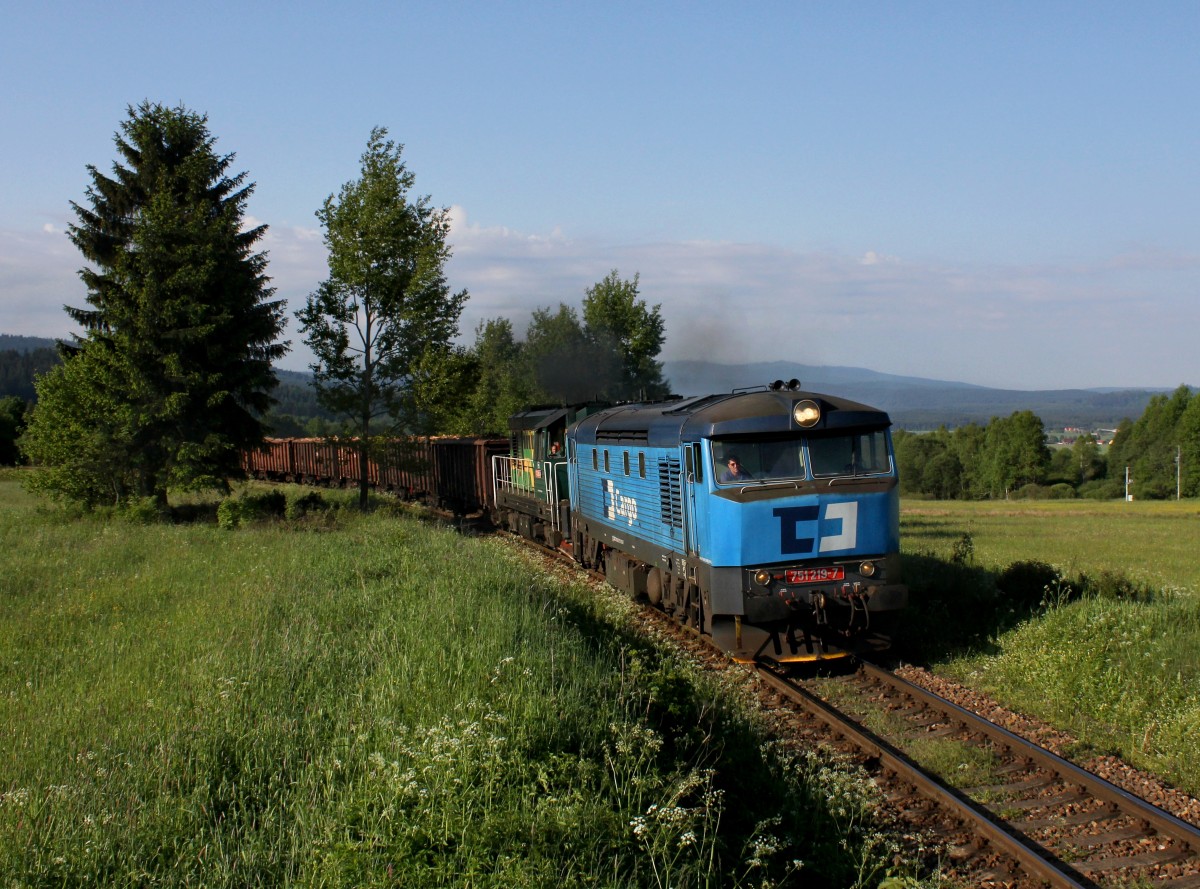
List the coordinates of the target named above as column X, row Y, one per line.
column 1038, row 862
column 1135, row 806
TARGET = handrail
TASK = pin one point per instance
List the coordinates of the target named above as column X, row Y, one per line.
column 518, row 475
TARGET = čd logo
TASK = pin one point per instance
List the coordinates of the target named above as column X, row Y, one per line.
column 801, row 526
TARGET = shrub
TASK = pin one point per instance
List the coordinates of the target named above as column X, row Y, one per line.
column 1026, row 584
column 1061, row 491
column 1115, row 585
column 142, row 511
column 229, row 514
column 301, row 506
column 964, row 549
column 269, row 504
column 233, row 513
column 1102, row 489
column 953, row 606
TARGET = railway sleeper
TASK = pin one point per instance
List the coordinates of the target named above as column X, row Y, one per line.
column 1036, row 783
column 1092, row 841
column 1075, row 818
column 1152, row 858
column 1189, row 882
column 1062, row 799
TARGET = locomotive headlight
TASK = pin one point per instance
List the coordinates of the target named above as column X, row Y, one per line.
column 806, row 413
column 762, row 577
column 867, row 569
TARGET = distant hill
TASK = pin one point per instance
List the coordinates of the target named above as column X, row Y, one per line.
column 22, row 358
column 918, row 403
column 8, row 343
column 913, row 402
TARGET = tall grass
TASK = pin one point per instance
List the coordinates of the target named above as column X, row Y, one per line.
column 1123, row 676
column 371, row 701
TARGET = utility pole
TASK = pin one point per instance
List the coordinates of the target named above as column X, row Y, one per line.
column 1127, row 497
column 1178, row 477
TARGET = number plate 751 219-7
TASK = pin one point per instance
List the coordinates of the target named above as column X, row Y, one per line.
column 815, row 575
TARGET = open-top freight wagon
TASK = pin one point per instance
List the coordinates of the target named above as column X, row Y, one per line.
column 449, row 473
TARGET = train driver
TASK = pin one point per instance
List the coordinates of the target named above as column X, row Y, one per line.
column 733, row 471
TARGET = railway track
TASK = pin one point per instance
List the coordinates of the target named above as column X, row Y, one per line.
column 1039, row 820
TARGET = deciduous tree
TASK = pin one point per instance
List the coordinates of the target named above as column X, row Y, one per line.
column 566, row 365
column 617, row 321
column 1149, row 445
column 501, row 382
column 1015, row 452
column 12, row 424
column 1189, row 448
column 610, row 354
column 1087, row 459
column 384, row 318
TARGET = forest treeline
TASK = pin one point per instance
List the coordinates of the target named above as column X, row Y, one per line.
column 19, row 367
column 1006, row 457
column 500, row 374
column 1010, row 457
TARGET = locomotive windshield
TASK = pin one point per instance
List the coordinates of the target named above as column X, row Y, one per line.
column 746, row 461
column 863, row 453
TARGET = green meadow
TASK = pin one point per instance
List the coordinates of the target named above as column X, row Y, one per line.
column 337, row 699
column 1108, row 647
column 1155, row 542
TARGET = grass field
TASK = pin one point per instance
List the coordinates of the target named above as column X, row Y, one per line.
column 365, row 701
column 347, row 700
column 1153, row 542
column 1121, row 672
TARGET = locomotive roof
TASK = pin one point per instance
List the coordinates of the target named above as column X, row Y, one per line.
column 663, row 424
column 535, row 418
column 541, row 416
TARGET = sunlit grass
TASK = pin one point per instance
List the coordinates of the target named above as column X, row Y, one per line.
column 1123, row 674
column 368, row 700
column 1154, row 542
column 959, row 764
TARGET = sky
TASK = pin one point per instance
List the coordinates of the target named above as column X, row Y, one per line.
column 1005, row 194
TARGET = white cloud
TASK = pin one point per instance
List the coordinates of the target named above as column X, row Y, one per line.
column 873, row 258
column 1018, row 326
column 1120, row 321
column 38, row 276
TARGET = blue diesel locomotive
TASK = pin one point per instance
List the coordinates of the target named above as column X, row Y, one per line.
column 767, row 519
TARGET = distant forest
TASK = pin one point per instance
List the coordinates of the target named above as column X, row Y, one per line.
column 18, row 369
column 23, row 358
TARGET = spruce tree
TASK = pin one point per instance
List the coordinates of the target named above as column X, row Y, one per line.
column 181, row 332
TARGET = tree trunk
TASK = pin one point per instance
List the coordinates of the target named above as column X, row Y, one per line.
column 363, row 476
